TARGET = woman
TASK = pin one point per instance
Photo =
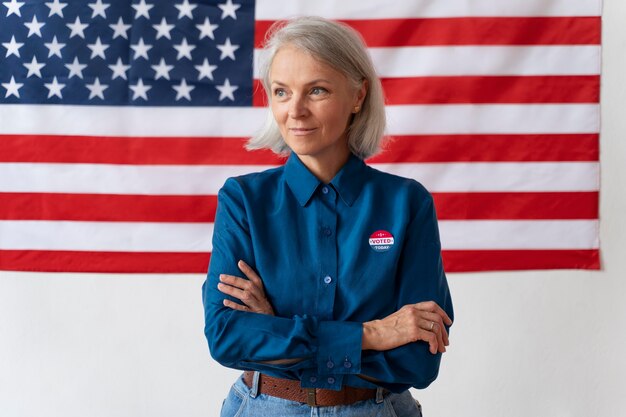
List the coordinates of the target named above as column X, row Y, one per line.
column 326, row 283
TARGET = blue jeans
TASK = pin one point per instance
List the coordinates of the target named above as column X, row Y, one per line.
column 247, row 402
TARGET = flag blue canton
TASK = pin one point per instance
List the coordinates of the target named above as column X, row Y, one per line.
column 156, row 53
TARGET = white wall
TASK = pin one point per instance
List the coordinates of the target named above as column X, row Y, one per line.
column 536, row 343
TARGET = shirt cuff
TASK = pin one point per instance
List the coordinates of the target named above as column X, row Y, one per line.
column 339, row 347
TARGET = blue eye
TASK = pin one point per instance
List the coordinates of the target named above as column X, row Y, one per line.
column 279, row 92
column 318, row 90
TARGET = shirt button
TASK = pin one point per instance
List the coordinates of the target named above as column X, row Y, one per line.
column 313, row 379
column 347, row 364
column 330, row 365
column 327, row 232
column 325, row 190
column 328, row 279
column 331, row 380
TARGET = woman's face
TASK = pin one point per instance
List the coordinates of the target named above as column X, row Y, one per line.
column 312, row 104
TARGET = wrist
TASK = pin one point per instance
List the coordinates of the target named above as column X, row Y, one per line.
column 369, row 335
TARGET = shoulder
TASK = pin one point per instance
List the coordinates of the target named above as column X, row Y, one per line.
column 399, row 186
column 247, row 185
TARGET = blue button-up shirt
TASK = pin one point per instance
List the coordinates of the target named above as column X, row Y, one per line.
column 331, row 256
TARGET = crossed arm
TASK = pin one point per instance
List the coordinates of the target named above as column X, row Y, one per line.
column 423, row 321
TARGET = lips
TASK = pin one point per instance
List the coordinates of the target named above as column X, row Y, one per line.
column 302, row 130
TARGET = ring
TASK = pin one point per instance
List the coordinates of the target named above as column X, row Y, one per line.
column 432, row 324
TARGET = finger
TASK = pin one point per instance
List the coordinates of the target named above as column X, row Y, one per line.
column 234, row 281
column 250, row 273
column 436, row 318
column 430, row 339
column 434, row 307
column 255, row 294
column 435, row 328
column 235, row 306
column 235, row 292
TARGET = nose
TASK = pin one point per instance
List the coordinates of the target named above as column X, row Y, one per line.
column 297, row 106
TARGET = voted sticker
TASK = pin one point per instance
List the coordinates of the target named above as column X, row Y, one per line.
column 381, row 241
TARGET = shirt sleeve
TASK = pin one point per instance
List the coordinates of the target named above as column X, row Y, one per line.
column 420, row 277
column 245, row 340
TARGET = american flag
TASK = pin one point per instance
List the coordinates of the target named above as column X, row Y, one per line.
column 120, row 121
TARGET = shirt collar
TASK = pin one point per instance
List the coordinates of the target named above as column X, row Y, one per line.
column 348, row 182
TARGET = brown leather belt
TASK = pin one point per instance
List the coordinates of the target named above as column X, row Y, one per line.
column 289, row 389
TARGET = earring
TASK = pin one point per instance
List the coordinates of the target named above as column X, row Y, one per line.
column 356, row 109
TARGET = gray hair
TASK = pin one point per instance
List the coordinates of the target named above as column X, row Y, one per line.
column 342, row 48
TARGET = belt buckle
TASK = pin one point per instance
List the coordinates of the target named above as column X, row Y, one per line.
column 310, row 397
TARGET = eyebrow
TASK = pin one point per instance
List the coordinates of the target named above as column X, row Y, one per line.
column 309, row 83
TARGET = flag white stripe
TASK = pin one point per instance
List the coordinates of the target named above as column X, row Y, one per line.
column 131, row 120
column 196, row 237
column 106, row 236
column 208, row 179
column 534, row 234
column 385, row 9
column 493, row 119
column 218, row 122
column 501, row 176
column 423, row 61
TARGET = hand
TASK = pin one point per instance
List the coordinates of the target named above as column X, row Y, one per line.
column 422, row 321
column 249, row 291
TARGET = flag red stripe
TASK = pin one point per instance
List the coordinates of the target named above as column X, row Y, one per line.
column 492, row 89
column 469, row 31
column 490, row 148
column 168, row 262
column 481, row 90
column 132, row 150
column 494, row 260
column 83, row 261
column 516, row 206
column 230, row 151
column 107, row 207
column 201, row 209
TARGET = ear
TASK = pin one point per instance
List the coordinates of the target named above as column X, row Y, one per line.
column 361, row 93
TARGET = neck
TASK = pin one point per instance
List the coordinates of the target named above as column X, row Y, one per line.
column 327, row 167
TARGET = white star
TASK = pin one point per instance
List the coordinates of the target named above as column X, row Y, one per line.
column 163, row 29
column 13, row 88
column 14, row 7
column 54, row 47
column 97, row 49
column 206, row 29
column 205, row 70
column 99, row 9
column 77, row 28
column 229, row 9
column 119, row 69
column 184, row 50
column 227, row 90
column 96, row 89
column 162, row 70
column 54, row 88
column 56, row 8
column 140, row 90
column 34, row 68
column 183, row 90
column 185, row 9
column 142, row 9
column 34, row 27
column 76, row 68
column 141, row 49
column 13, row 47
column 120, row 29
column 228, row 50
